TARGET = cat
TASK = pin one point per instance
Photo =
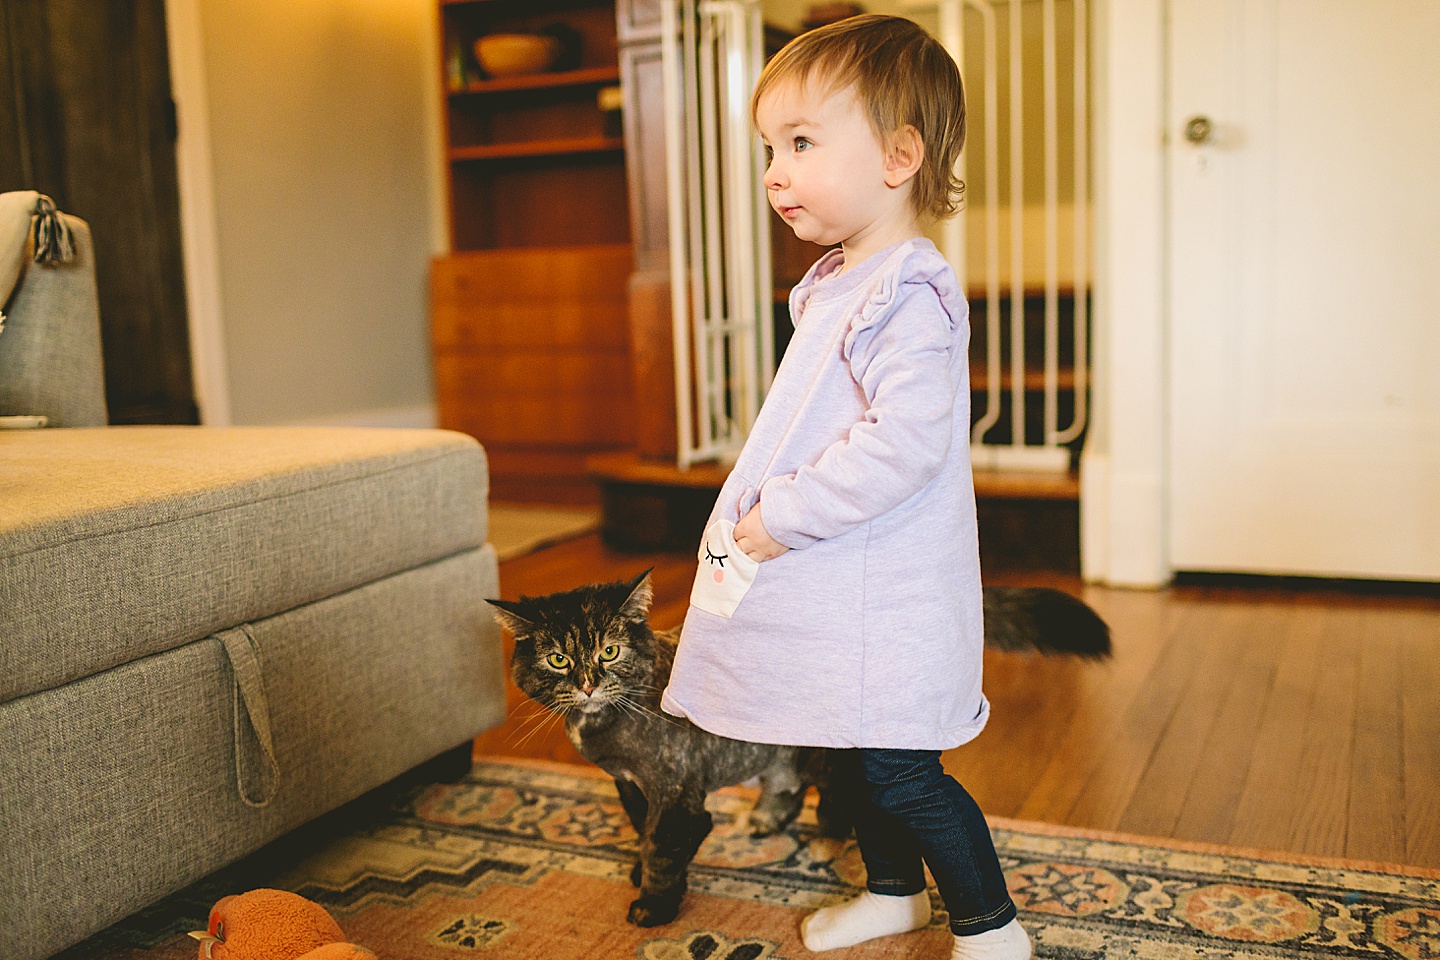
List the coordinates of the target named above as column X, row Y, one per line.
column 590, row 656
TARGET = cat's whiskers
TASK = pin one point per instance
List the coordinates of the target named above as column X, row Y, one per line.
column 622, row 704
column 574, row 701
column 541, row 728
column 529, row 726
column 645, row 691
column 644, row 710
column 528, row 710
column 629, row 704
column 545, row 721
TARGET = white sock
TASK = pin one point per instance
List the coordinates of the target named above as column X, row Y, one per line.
column 868, row 916
column 1010, row 942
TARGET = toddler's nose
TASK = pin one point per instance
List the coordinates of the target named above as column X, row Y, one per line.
column 773, row 178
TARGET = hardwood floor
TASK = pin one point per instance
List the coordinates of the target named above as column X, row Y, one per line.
column 1272, row 717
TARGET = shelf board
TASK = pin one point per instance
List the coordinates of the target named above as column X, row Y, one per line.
column 541, row 81
column 1034, row 378
column 538, row 148
column 543, row 5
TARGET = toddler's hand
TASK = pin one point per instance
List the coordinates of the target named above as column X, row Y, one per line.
column 754, row 540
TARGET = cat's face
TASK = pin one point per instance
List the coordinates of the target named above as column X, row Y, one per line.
column 584, row 650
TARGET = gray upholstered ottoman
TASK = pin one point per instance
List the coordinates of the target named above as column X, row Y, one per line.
column 210, row 636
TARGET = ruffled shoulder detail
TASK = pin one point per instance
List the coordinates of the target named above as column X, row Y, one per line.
column 913, row 262
column 800, row 293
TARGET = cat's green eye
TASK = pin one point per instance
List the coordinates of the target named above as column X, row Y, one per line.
column 610, row 653
column 559, row 661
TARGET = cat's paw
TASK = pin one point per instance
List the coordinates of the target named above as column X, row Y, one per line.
column 774, row 812
column 635, row 874
column 767, row 823
column 652, row 911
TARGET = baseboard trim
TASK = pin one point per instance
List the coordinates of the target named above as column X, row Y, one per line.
column 1122, row 525
column 419, row 417
column 1094, row 516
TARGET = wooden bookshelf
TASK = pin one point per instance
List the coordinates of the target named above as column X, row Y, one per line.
column 591, row 76
column 529, row 323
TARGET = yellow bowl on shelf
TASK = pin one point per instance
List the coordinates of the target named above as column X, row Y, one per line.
column 516, row 54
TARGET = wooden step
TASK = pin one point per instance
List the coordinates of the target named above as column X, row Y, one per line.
column 649, row 504
column 1034, row 378
column 1027, row 485
column 1027, row 520
column 631, row 469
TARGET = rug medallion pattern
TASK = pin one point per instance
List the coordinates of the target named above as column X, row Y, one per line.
column 532, row 861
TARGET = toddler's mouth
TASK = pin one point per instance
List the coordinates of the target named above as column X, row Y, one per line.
column 788, row 212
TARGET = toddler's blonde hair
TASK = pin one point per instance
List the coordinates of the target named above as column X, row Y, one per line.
column 901, row 75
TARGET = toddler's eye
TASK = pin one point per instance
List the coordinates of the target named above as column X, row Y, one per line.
column 769, row 153
column 610, row 653
column 559, row 661
column 802, row 144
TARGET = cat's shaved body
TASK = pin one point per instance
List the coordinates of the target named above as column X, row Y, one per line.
column 663, row 766
column 590, row 656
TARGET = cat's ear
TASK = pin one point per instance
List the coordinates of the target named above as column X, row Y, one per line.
column 511, row 616
column 637, row 604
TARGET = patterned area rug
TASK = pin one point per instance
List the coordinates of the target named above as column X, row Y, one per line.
column 531, row 861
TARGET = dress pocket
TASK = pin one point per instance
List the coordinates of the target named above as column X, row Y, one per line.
column 725, row 574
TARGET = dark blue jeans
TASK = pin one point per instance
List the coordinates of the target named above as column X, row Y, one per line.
column 910, row 810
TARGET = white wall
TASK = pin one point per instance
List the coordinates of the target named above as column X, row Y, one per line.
column 324, row 187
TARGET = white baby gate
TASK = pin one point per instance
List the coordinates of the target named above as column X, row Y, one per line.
column 1051, row 453
column 712, row 52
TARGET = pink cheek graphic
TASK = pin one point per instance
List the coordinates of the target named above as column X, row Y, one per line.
column 719, row 576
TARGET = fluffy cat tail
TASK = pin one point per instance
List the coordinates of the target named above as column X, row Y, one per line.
column 1038, row 618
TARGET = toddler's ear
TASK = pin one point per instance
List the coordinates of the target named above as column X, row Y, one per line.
column 903, row 159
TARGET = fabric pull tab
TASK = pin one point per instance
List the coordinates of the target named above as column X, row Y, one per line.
column 257, row 775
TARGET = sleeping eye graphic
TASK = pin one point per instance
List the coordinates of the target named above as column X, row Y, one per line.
column 717, row 560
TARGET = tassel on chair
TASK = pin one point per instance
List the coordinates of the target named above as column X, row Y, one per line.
column 53, row 241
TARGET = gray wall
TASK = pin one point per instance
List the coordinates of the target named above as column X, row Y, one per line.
column 323, row 139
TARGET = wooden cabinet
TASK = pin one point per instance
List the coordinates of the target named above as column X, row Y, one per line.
column 530, row 328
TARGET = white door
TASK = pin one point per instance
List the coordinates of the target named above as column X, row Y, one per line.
column 1305, row 287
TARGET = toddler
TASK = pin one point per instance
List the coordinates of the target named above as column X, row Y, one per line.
column 838, row 598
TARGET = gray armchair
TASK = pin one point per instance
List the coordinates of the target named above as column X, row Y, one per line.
column 50, row 344
column 207, row 636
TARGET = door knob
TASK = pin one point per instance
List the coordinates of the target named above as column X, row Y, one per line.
column 1199, row 129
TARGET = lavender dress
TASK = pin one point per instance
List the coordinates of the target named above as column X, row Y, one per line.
column 868, row 632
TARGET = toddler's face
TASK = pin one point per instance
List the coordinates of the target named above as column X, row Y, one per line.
column 827, row 169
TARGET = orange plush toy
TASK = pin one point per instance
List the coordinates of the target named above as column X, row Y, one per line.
column 273, row 925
